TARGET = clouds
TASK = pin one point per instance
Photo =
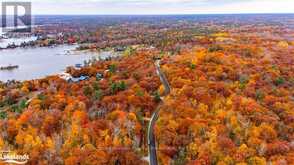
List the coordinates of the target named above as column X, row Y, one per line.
column 160, row 6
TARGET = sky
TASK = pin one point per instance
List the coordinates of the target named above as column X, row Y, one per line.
column 151, row 7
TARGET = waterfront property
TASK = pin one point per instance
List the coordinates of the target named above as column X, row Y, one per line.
column 37, row 63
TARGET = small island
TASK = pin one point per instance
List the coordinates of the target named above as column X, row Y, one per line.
column 9, row 67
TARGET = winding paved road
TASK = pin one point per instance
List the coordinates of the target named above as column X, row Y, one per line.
column 151, row 136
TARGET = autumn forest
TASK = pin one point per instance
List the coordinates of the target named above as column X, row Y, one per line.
column 231, row 98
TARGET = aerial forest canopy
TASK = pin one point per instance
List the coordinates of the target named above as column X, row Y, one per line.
column 231, row 99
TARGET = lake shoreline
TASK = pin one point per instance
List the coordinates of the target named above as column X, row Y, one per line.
column 39, row 62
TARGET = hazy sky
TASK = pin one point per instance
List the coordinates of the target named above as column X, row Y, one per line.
column 160, row 6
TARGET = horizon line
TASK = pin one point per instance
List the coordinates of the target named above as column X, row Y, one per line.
column 162, row 14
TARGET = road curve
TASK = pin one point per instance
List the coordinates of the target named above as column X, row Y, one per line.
column 163, row 78
column 151, row 136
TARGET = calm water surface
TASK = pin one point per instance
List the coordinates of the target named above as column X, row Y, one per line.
column 40, row 62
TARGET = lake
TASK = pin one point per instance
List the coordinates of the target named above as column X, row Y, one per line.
column 37, row 63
